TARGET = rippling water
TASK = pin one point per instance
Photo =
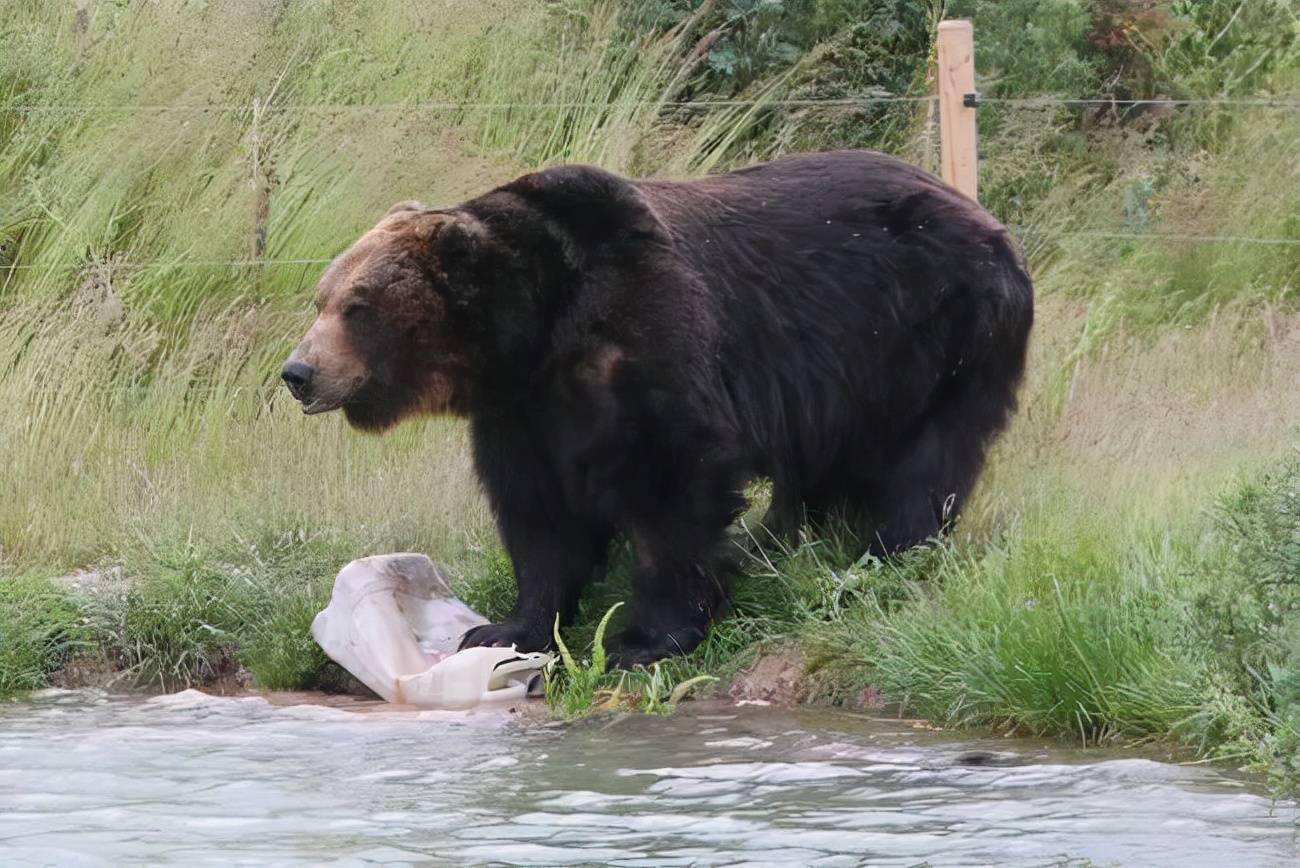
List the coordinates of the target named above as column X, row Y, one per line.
column 87, row 779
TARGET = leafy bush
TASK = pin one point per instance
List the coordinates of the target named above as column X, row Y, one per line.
column 1218, row 48
column 1252, row 611
column 769, row 50
column 747, row 41
column 1261, row 524
column 1031, row 47
column 1129, row 49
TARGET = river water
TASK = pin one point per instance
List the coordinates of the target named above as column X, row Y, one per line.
column 188, row 779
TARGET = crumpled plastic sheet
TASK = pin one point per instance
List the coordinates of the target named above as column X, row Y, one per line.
column 393, row 622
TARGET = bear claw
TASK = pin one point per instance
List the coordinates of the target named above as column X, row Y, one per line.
column 640, row 647
column 503, row 635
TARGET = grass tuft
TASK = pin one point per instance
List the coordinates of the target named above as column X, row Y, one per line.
column 199, row 612
column 573, row 692
column 41, row 627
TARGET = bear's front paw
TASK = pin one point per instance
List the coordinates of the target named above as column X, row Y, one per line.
column 638, row 646
column 523, row 636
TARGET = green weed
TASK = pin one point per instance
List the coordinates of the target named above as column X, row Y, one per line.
column 178, row 626
column 582, row 688
column 488, row 585
column 1036, row 636
column 278, row 648
column 1106, row 629
column 577, row 692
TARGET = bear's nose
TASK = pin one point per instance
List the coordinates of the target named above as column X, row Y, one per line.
column 297, row 376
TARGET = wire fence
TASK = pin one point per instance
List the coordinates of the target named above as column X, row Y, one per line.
column 268, row 390
column 1288, row 102
column 318, row 261
column 326, row 108
column 1176, row 237
column 1284, row 102
column 1021, row 231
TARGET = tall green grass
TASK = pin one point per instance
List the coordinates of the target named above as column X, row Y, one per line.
column 1041, row 633
column 1109, row 629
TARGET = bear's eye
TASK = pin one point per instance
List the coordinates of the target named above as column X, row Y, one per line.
column 355, row 309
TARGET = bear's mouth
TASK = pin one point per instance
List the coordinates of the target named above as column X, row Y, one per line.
column 320, row 405
column 331, row 397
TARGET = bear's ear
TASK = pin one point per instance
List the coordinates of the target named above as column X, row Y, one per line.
column 408, row 205
column 458, row 249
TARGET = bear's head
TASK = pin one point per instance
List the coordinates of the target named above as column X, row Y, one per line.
column 386, row 343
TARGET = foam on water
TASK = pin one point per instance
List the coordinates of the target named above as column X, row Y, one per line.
column 89, row 779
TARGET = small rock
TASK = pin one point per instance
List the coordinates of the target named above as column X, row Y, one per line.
column 108, row 582
column 871, row 698
column 89, row 669
column 777, row 677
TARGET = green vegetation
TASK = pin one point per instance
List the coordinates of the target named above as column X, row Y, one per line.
column 1107, row 631
column 574, row 689
column 578, row 691
column 40, row 629
column 1101, row 626
column 1127, row 571
column 188, row 615
column 194, row 615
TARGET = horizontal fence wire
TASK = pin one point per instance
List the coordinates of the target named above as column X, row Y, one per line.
column 1024, row 230
column 1282, row 102
column 1172, row 236
column 1286, row 102
column 1015, row 230
column 470, row 105
column 171, row 263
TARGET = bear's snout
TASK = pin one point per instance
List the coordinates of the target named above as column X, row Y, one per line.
column 297, row 376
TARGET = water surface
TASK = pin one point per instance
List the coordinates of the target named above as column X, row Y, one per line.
column 89, row 779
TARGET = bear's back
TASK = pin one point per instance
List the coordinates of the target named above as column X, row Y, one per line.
column 824, row 266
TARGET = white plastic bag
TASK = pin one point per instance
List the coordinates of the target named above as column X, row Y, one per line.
column 393, row 623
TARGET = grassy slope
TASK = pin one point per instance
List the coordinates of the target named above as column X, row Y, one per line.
column 1089, row 590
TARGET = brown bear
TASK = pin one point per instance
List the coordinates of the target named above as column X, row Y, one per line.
column 630, row 354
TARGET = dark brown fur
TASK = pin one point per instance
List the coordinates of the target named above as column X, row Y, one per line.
column 631, row 353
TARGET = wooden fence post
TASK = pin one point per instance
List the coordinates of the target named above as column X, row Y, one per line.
column 81, row 27
column 259, row 151
column 957, row 140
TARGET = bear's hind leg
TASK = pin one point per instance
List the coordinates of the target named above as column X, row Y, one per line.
column 914, row 501
column 932, row 470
